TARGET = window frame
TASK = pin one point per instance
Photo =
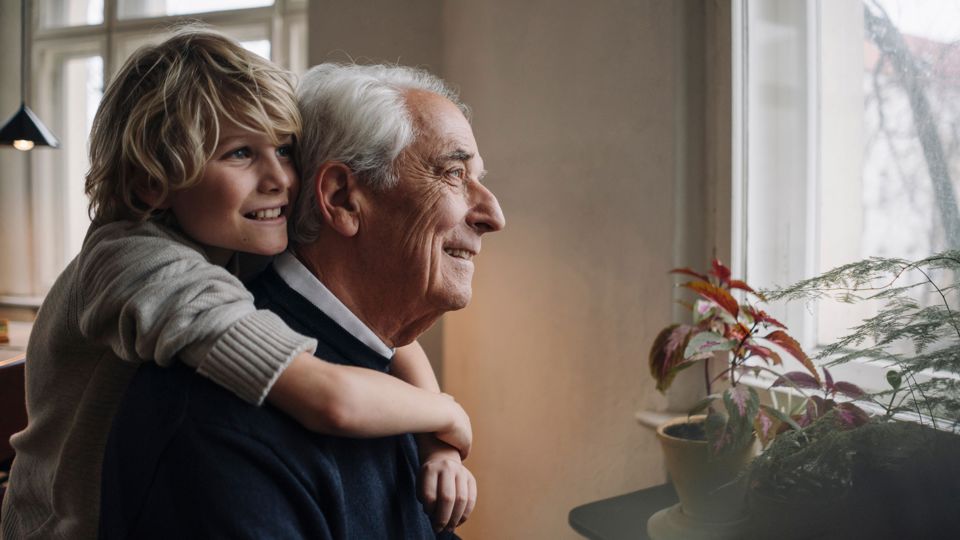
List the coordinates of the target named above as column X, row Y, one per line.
column 282, row 24
column 870, row 375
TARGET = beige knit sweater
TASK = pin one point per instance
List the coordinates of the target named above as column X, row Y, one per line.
column 135, row 293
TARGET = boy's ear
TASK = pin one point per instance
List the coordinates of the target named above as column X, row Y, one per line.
column 151, row 196
column 338, row 197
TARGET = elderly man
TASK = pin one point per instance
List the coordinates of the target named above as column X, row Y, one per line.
column 390, row 216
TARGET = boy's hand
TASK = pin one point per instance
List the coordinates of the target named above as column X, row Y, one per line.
column 448, row 490
column 459, row 434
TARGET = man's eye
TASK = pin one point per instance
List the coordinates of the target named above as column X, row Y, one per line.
column 457, row 173
column 285, row 151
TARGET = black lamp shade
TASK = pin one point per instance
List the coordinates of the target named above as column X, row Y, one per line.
column 25, row 126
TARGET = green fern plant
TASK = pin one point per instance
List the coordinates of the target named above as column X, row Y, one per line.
column 901, row 463
column 922, row 342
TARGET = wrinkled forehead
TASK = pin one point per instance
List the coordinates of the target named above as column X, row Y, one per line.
column 440, row 127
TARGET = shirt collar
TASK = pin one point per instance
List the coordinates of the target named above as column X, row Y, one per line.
column 298, row 278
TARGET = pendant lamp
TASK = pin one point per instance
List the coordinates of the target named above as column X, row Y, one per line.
column 24, row 130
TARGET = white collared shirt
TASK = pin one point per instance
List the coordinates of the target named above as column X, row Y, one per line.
column 298, row 278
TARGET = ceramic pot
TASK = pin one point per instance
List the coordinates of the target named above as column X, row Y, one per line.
column 712, row 495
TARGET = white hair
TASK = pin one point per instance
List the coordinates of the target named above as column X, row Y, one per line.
column 356, row 115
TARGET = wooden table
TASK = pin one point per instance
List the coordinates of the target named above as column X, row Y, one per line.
column 623, row 517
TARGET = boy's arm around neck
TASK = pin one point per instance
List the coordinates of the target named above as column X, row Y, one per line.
column 150, row 294
column 357, row 402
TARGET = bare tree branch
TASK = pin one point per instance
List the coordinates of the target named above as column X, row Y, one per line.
column 888, row 39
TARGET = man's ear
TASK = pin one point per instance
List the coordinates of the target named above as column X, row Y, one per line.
column 338, row 197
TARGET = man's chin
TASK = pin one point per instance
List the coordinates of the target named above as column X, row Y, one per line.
column 457, row 301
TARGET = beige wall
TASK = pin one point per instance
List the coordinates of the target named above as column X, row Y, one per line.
column 591, row 117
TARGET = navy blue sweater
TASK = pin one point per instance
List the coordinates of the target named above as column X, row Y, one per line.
column 187, row 459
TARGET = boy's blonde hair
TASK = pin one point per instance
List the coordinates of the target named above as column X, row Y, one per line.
column 160, row 118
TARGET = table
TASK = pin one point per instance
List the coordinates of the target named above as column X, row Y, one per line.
column 623, row 517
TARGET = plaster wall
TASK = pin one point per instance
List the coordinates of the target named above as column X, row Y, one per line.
column 591, row 120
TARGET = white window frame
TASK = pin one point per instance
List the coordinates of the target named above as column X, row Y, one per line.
column 803, row 323
column 283, row 24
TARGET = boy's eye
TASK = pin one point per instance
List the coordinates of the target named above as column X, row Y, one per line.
column 285, row 151
column 239, row 153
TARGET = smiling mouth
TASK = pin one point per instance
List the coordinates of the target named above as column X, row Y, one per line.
column 459, row 253
column 265, row 214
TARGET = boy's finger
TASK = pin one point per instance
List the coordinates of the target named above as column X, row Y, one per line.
column 446, row 497
column 463, row 495
column 472, row 500
column 428, row 490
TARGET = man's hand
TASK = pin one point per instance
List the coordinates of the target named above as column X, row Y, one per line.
column 459, row 434
column 447, row 489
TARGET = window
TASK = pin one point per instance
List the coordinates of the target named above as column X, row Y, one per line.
column 847, row 118
column 76, row 45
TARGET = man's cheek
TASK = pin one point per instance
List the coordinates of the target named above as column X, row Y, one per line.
column 420, row 226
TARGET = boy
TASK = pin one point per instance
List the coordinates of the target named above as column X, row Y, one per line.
column 190, row 164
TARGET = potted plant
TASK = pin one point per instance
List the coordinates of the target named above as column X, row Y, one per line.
column 705, row 453
column 894, row 475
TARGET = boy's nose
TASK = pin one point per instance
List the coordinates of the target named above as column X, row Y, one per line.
column 276, row 177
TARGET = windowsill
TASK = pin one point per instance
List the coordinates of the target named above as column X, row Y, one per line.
column 17, row 301
column 19, row 308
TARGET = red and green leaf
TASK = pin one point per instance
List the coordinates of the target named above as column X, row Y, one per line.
column 702, row 405
column 787, row 343
column 666, row 354
column 742, row 285
column 828, row 380
column 850, row 416
column 703, row 344
column 811, row 413
column 763, row 352
column 742, row 403
column 766, row 427
column 761, row 316
column 719, row 438
column 798, row 379
column 717, row 294
column 706, row 310
column 720, row 271
column 816, row 407
column 688, row 272
column 780, row 416
column 737, row 332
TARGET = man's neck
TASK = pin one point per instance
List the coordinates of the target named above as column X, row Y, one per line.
column 376, row 309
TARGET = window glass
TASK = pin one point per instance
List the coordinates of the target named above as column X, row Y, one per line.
column 911, row 144
column 852, row 136
column 68, row 72
column 68, row 104
column 60, row 13
column 86, row 75
column 132, row 9
column 259, row 46
column 252, row 37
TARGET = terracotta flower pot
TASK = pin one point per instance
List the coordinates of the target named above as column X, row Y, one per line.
column 712, row 497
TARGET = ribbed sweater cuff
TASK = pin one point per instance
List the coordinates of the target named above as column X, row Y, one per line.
column 250, row 356
column 10, row 526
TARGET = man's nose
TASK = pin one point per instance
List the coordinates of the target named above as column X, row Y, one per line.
column 486, row 215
